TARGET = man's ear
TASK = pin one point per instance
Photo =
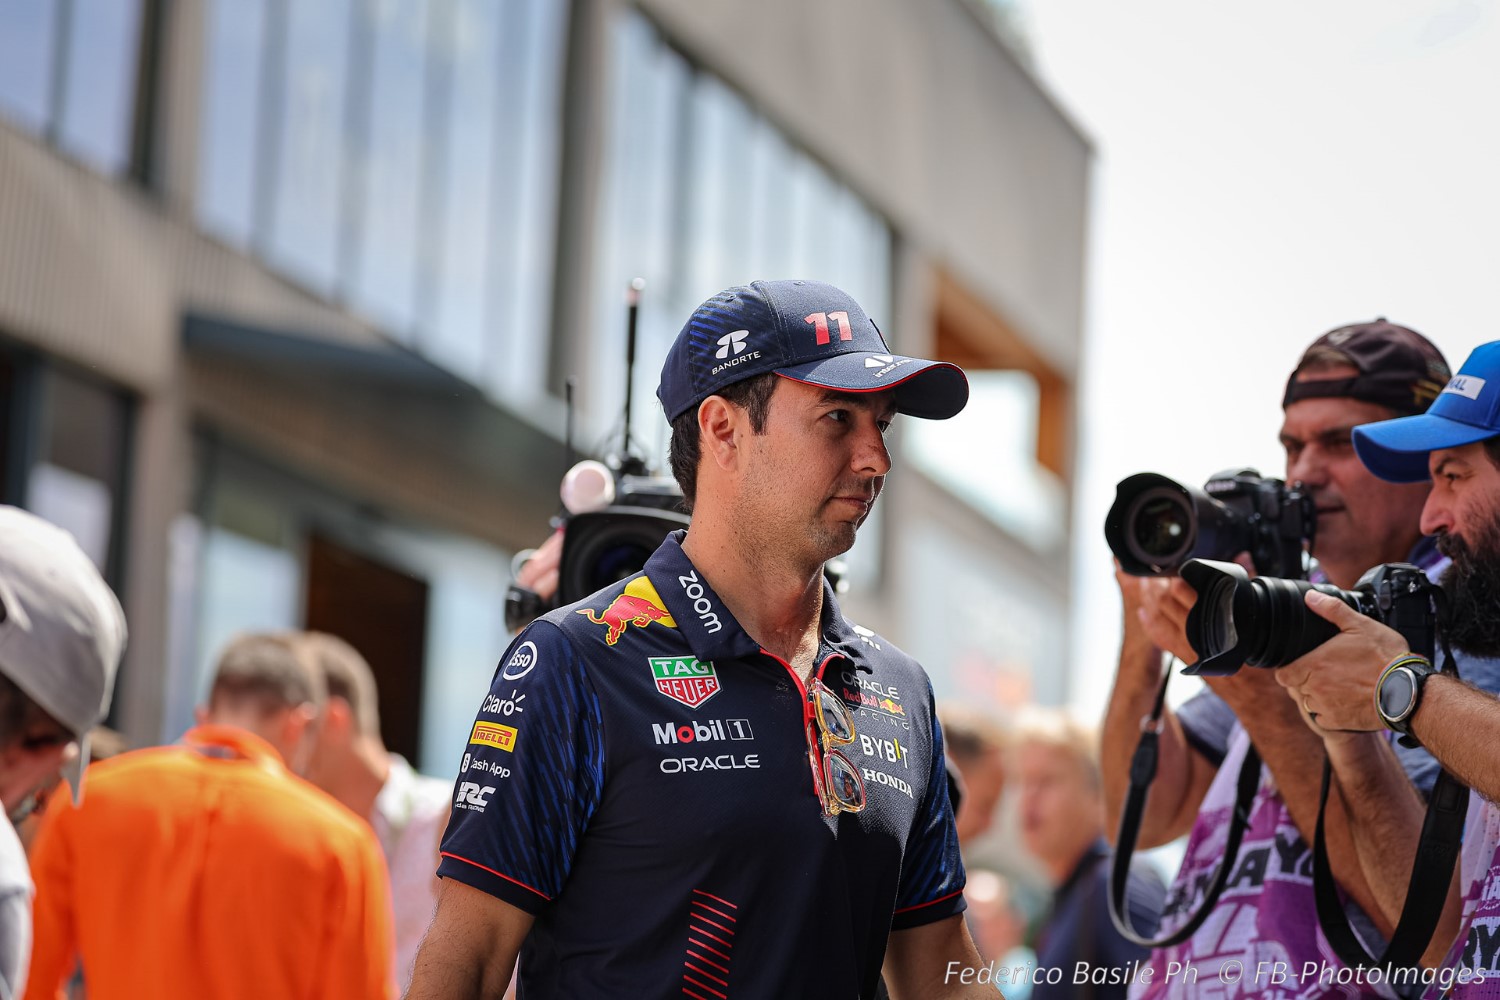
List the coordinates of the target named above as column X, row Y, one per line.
column 338, row 719
column 719, row 423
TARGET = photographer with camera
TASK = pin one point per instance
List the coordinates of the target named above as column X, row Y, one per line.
column 1349, row 376
column 1365, row 680
column 703, row 779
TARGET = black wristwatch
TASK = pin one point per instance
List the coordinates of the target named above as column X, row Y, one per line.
column 1400, row 692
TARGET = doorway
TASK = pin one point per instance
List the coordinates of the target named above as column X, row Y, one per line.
column 382, row 612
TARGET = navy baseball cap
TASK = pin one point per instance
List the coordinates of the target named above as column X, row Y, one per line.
column 803, row 330
column 1466, row 411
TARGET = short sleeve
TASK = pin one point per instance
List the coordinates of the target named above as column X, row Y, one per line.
column 531, row 775
column 1208, row 722
column 932, row 872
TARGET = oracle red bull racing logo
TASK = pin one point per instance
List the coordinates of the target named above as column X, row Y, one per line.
column 640, row 605
column 685, row 679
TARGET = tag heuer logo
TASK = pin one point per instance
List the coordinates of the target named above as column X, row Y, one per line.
column 684, row 679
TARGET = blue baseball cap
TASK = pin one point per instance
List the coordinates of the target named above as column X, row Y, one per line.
column 1466, row 411
column 804, row 330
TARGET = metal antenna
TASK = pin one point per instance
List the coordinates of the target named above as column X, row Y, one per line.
column 568, row 452
column 629, row 463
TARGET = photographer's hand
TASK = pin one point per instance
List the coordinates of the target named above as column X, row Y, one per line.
column 1163, row 606
column 539, row 573
column 1335, row 683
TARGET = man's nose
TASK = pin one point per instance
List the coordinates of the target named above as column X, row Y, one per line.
column 1307, row 468
column 872, row 457
column 1436, row 515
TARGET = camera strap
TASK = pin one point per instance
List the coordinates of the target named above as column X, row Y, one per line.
column 1431, row 873
column 1142, row 772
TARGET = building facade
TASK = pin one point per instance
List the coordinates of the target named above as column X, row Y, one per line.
column 290, row 294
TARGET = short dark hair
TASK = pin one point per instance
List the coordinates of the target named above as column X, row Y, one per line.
column 1492, row 449
column 270, row 671
column 753, row 395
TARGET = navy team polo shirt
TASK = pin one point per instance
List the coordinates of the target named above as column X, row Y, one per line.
column 638, row 781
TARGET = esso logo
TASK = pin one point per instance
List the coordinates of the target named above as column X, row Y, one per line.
column 521, row 662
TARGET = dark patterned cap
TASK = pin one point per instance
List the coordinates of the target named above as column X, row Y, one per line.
column 1398, row 367
column 803, row 330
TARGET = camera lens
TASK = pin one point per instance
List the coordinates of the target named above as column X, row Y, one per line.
column 1160, row 526
column 618, row 562
column 1218, row 617
column 1264, row 622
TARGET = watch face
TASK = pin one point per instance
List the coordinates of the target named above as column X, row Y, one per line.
column 1397, row 694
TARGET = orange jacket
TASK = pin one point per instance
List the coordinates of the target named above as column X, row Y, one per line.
column 208, row 871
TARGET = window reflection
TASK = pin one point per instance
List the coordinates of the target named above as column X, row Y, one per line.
column 468, row 47
column 309, row 141
column 230, row 151
column 390, row 164
column 526, row 192
column 701, row 193
column 402, row 153
column 27, row 43
column 99, row 89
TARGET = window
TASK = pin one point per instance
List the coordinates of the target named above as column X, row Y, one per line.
column 68, row 71
column 79, row 476
column 28, row 32
column 399, row 154
column 699, row 193
column 308, row 138
column 388, row 177
column 231, row 109
column 468, row 49
column 99, row 89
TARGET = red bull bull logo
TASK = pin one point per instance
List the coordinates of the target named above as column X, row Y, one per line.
column 640, row 605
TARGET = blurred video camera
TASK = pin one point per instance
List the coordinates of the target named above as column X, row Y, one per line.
column 615, row 514
column 1264, row 622
column 1157, row 524
column 614, row 521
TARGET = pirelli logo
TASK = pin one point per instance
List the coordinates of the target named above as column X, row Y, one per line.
column 492, row 734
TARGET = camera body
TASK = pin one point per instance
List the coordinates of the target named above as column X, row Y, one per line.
column 1157, row 524
column 616, row 520
column 604, row 546
column 1265, row 622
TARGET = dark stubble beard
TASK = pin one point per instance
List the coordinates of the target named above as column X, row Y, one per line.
column 1472, row 584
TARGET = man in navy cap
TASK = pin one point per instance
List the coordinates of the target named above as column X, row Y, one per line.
column 1365, row 680
column 704, row 781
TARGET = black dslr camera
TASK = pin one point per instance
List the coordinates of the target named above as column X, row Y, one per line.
column 1157, row 524
column 1263, row 622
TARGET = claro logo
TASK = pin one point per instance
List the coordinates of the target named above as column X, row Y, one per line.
column 693, row 588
